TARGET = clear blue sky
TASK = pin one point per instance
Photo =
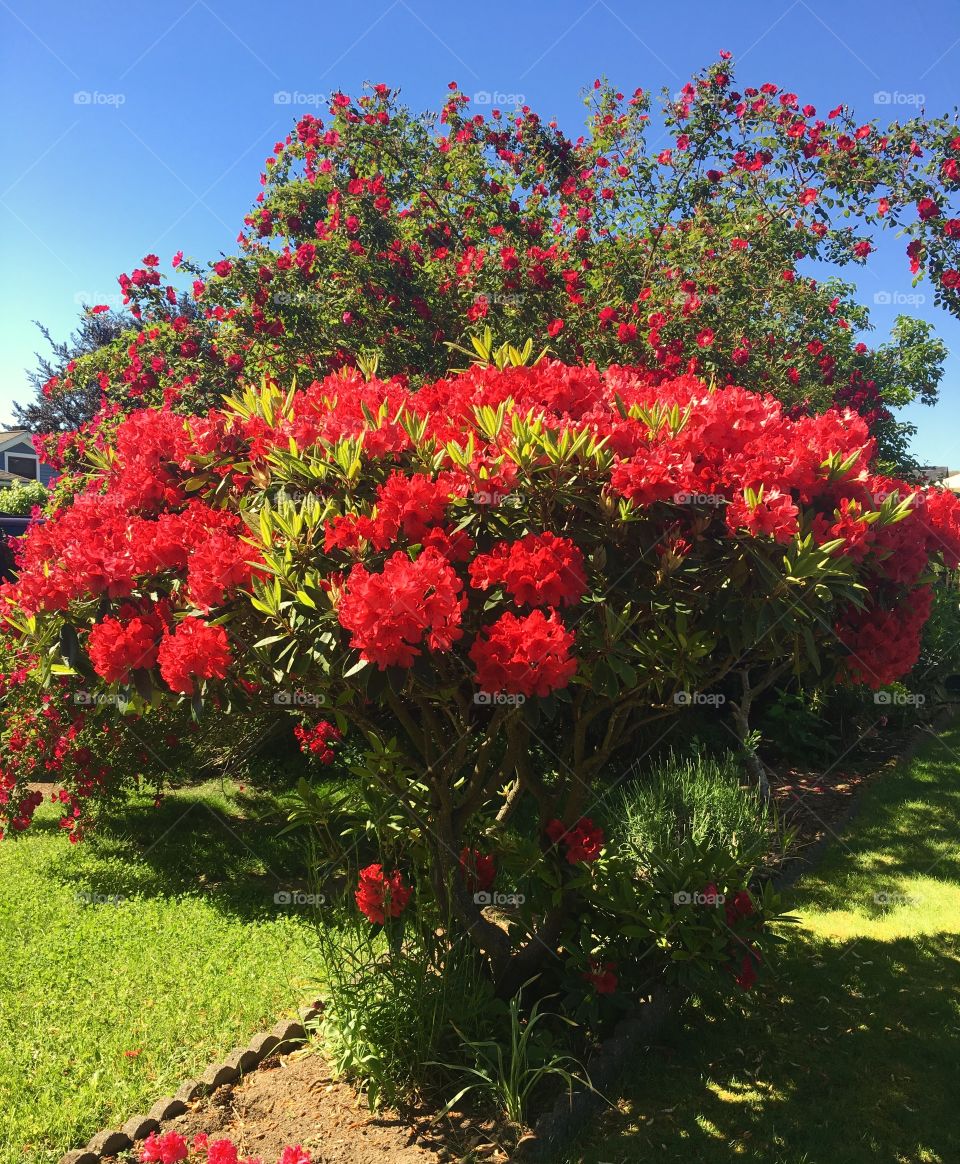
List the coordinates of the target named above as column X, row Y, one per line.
column 181, row 110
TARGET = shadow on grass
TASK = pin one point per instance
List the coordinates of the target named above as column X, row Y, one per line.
column 852, row 1057
column 194, row 842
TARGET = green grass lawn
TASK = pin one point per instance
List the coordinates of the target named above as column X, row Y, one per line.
column 852, row 1056
column 131, row 960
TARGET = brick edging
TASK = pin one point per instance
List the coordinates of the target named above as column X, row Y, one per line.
column 282, row 1038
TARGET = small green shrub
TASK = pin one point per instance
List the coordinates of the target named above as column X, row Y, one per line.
column 19, row 498
column 697, row 797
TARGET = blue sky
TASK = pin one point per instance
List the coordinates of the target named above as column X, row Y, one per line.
column 137, row 128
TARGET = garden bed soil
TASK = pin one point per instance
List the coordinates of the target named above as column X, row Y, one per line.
column 294, row 1099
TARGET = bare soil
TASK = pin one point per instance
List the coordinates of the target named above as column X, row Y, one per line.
column 295, row 1100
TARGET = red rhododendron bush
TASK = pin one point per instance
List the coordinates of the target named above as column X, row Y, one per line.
column 505, row 562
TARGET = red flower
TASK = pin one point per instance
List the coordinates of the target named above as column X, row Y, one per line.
column 117, row 648
column 222, row 1152
column 223, row 268
column 748, row 973
column 537, row 570
column 739, row 906
column 294, row 1155
column 602, row 978
column 583, row 841
column 775, row 514
column 317, row 740
column 380, row 894
column 390, row 614
column 705, row 338
column 167, row 1149
column 195, row 650
column 529, row 655
column 927, row 209
column 554, row 327
column 477, row 869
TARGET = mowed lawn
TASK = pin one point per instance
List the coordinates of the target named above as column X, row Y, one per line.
column 129, row 961
column 852, row 1056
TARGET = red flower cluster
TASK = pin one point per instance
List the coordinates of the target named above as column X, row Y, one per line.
column 316, row 741
column 538, row 570
column 195, row 651
column 166, row 1149
column 602, row 978
column 116, row 648
column 478, row 870
column 525, row 655
column 583, row 841
column 390, row 614
column 381, row 895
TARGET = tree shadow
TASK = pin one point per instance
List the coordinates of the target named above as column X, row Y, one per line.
column 851, row 1057
column 191, row 843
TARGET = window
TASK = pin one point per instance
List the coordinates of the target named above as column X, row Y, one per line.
column 23, row 466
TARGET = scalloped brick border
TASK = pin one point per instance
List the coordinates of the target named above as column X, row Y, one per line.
column 282, row 1038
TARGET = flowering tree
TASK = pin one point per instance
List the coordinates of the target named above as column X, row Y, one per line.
column 380, row 232
column 509, row 559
